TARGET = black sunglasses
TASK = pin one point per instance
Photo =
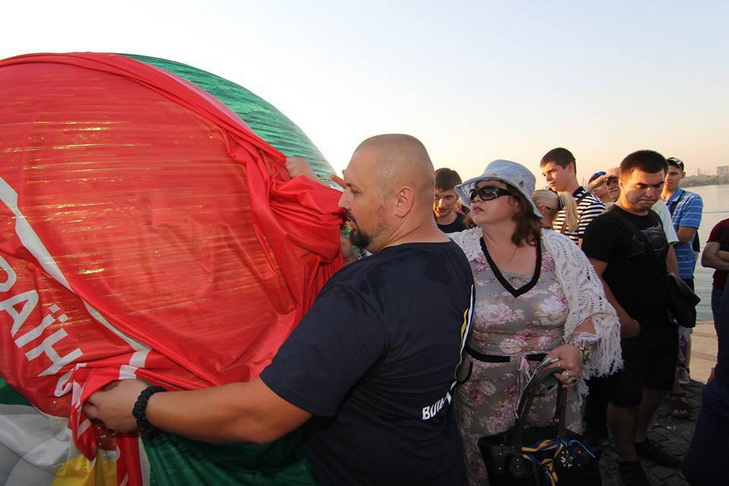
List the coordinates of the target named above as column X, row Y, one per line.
column 487, row 193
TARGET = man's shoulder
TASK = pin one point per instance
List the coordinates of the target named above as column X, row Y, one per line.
column 723, row 224
column 718, row 230
column 607, row 218
column 587, row 201
column 692, row 197
column 615, row 217
column 407, row 254
column 592, row 200
column 688, row 210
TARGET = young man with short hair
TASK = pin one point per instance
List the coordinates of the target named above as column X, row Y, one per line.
column 559, row 169
column 628, row 248
column 686, row 208
column 445, row 205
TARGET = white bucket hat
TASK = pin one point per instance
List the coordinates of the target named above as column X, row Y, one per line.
column 514, row 175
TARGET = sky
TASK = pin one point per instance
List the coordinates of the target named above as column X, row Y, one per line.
column 473, row 80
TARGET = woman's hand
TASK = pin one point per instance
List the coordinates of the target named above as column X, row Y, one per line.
column 569, row 357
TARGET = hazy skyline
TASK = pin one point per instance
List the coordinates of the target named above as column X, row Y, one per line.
column 475, row 81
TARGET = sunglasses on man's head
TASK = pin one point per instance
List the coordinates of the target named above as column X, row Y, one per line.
column 487, row 193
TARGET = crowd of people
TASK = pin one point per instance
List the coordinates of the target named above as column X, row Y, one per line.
column 411, row 354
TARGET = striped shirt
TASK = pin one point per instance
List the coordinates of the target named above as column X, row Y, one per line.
column 686, row 208
column 589, row 207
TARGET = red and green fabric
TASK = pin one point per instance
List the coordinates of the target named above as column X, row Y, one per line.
column 148, row 232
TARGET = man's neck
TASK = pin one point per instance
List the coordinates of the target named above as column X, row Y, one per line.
column 572, row 187
column 423, row 231
column 624, row 205
column 666, row 194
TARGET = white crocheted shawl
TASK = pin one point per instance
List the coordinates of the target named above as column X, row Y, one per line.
column 584, row 292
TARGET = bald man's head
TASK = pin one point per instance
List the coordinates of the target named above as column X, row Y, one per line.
column 388, row 190
column 400, row 160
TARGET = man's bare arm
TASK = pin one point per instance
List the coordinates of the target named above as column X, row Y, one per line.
column 685, row 234
column 237, row 412
column 713, row 257
column 671, row 260
column 629, row 327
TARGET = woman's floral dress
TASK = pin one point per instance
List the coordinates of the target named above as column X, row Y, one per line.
column 512, row 326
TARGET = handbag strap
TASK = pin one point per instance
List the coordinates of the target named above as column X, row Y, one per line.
column 525, row 404
column 642, row 239
column 674, row 203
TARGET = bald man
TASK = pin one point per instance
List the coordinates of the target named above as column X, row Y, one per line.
column 370, row 369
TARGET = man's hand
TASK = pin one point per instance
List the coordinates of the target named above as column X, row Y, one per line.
column 113, row 405
column 338, row 180
column 297, row 166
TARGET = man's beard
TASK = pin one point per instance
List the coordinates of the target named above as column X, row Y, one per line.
column 358, row 238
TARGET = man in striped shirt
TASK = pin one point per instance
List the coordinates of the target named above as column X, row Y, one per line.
column 559, row 169
column 686, row 209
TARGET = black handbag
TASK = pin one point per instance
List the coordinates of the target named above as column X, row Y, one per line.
column 535, row 456
column 681, row 300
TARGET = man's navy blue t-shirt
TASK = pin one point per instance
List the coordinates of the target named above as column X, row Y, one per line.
column 374, row 361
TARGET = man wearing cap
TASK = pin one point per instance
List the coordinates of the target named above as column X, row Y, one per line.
column 598, row 187
column 559, row 169
column 686, row 208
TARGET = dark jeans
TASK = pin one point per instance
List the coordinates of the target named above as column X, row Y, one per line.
column 715, row 306
column 707, row 460
column 596, row 404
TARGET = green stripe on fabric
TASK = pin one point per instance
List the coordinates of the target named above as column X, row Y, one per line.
column 8, row 396
column 265, row 119
column 175, row 460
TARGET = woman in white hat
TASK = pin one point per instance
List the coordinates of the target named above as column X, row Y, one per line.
column 537, row 298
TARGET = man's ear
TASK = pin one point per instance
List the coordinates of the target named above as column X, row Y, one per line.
column 405, row 200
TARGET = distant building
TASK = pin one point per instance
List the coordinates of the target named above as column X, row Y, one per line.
column 722, row 170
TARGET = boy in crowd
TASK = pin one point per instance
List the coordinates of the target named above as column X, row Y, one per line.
column 559, row 169
column 446, row 208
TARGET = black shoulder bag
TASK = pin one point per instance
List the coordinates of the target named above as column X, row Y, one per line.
column 535, row 456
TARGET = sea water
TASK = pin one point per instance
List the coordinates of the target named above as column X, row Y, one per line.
column 716, row 208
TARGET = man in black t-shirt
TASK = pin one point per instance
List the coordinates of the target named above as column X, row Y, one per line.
column 371, row 367
column 628, row 248
column 446, row 208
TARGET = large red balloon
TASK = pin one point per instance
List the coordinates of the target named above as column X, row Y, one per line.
column 145, row 231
